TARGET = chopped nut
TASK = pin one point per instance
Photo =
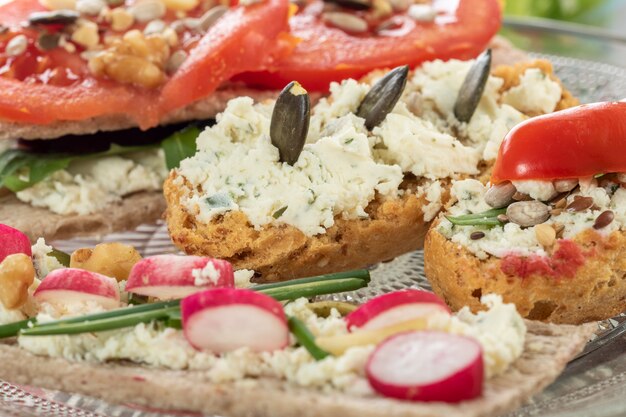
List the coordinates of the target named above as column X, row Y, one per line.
column 546, row 235
column 16, row 46
column 134, row 59
column 86, row 34
column 110, row 259
column 121, row 20
column 17, row 273
column 170, row 36
column 181, row 5
column 90, row 7
column 58, row 4
column 147, row 10
column 559, row 228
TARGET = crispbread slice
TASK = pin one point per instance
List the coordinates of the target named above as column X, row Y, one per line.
column 35, row 222
column 547, row 350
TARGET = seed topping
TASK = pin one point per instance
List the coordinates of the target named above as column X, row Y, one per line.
column 477, row 235
column 579, row 204
column 16, row 46
column 345, row 21
column 55, row 17
column 500, row 195
column 473, row 87
column 290, row 122
column 383, row 96
column 528, row 213
column 546, row 235
column 604, row 219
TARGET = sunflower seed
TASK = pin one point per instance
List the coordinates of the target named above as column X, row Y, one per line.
column 16, row 46
column 473, row 86
column 352, row 4
column 54, row 17
column 564, row 186
column 500, row 195
column 383, row 96
column 211, row 17
column 347, row 22
column 176, row 60
column 528, row 213
column 90, row 7
column 48, row 41
column 604, row 219
column 290, row 122
column 148, row 10
column 156, row 26
column 422, row 12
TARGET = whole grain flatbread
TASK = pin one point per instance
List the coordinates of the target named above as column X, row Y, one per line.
column 35, row 222
column 548, row 348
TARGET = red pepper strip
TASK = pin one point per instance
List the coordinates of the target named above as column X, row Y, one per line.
column 578, row 142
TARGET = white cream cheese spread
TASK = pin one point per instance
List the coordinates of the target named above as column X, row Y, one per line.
column 88, row 186
column 500, row 330
column 514, row 239
column 343, row 167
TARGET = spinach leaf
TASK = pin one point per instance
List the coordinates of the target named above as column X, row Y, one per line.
column 179, row 146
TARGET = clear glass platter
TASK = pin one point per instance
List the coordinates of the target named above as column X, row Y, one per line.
column 594, row 384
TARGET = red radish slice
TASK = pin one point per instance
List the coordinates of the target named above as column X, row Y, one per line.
column 427, row 366
column 225, row 319
column 395, row 307
column 68, row 285
column 13, row 241
column 169, row 277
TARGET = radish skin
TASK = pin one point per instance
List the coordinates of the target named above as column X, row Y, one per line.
column 169, row 277
column 427, row 366
column 13, row 241
column 225, row 319
column 68, row 285
column 395, row 307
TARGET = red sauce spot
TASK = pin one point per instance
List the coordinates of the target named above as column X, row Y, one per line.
column 563, row 263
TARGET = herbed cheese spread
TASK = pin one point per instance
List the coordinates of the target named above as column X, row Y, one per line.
column 88, row 186
column 500, row 330
column 343, row 166
column 511, row 238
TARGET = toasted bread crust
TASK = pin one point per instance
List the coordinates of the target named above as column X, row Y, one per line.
column 35, row 222
column 597, row 291
column 283, row 252
column 547, row 350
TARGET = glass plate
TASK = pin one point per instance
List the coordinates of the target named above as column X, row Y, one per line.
column 594, row 384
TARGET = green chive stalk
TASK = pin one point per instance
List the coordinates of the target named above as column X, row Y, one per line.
column 305, row 338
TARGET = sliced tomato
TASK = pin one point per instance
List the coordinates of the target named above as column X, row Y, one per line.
column 238, row 42
column 574, row 143
column 461, row 30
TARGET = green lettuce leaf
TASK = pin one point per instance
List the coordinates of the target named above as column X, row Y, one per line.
column 180, row 145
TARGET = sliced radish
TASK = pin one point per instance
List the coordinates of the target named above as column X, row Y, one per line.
column 395, row 307
column 13, row 241
column 169, row 277
column 68, row 285
column 225, row 319
column 427, row 366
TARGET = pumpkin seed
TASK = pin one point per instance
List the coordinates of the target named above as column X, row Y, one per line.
column 323, row 308
column 383, row 96
column 528, row 213
column 473, row 86
column 290, row 122
column 604, row 219
column 48, row 41
column 210, row 17
column 347, row 22
column 352, row 4
column 500, row 195
column 54, row 17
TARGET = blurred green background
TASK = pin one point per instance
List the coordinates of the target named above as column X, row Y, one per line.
column 574, row 10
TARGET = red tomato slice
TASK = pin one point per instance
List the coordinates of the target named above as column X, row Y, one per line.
column 573, row 143
column 238, row 42
column 461, row 30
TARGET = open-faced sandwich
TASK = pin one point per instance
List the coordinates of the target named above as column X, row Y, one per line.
column 548, row 232
column 374, row 171
column 265, row 350
column 82, row 81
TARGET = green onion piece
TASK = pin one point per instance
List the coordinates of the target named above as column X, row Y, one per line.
column 305, row 338
column 175, row 320
column 312, row 289
column 486, row 218
column 12, row 329
column 362, row 274
column 88, row 326
column 62, row 257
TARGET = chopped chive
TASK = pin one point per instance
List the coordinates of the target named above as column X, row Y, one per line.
column 62, row 257
column 486, row 218
column 305, row 338
column 279, row 212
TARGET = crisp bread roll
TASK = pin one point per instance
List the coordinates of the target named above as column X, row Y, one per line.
column 547, row 350
column 394, row 226
column 597, row 290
